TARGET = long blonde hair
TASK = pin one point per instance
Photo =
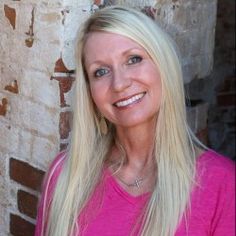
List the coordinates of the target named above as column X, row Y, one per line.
column 174, row 141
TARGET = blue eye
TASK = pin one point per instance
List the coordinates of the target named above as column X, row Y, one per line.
column 100, row 72
column 134, row 60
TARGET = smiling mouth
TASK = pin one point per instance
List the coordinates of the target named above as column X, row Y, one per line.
column 130, row 100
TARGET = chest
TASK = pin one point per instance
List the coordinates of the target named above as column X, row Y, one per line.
column 113, row 212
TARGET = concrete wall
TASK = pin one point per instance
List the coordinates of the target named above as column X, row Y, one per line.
column 36, row 76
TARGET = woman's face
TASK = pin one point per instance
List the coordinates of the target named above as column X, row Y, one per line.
column 124, row 81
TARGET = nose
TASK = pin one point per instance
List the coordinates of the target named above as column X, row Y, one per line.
column 121, row 79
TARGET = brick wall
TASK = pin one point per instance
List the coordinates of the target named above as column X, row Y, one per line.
column 31, row 178
column 222, row 116
column 218, row 89
column 37, row 74
column 222, row 127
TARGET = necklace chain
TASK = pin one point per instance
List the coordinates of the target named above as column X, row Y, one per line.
column 136, row 183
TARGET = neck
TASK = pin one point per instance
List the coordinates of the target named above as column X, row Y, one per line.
column 137, row 175
column 138, row 143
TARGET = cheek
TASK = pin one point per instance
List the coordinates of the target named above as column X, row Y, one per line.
column 158, row 91
column 155, row 80
column 157, row 87
column 97, row 96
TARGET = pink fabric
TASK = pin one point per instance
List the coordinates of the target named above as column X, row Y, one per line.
column 48, row 187
column 113, row 212
column 213, row 199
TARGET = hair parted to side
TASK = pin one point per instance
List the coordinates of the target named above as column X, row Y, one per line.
column 174, row 142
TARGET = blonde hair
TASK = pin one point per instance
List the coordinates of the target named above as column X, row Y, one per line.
column 174, row 142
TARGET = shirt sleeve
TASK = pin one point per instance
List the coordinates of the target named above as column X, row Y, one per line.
column 47, row 192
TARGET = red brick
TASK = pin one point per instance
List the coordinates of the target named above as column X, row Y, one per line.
column 97, row 2
column 228, row 85
column 3, row 107
column 20, row 227
column 65, row 84
column 60, row 66
column 13, row 87
column 203, row 136
column 30, row 40
column 10, row 14
column 64, row 124
column 26, row 174
column 226, row 99
column 27, row 203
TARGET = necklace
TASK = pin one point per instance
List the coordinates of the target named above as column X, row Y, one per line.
column 136, row 182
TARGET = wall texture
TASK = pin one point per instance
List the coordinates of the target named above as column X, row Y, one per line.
column 36, row 76
column 218, row 89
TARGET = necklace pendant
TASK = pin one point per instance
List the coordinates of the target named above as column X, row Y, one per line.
column 137, row 182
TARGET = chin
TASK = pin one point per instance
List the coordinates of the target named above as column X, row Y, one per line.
column 140, row 121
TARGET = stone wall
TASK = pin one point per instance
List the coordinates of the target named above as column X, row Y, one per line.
column 36, row 76
column 218, row 89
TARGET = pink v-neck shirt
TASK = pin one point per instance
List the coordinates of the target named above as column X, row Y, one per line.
column 112, row 211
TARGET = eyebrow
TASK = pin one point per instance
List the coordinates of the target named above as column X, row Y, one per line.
column 98, row 62
column 131, row 49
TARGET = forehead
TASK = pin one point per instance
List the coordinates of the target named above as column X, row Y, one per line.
column 98, row 43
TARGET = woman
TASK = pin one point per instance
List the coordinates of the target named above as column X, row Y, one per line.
column 134, row 167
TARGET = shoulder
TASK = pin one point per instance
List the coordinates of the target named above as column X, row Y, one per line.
column 215, row 176
column 215, row 182
column 47, row 191
column 57, row 164
column 52, row 174
column 54, row 170
column 213, row 196
column 215, row 164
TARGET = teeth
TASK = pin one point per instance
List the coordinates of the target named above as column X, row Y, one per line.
column 130, row 100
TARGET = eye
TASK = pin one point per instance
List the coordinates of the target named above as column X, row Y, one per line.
column 134, row 59
column 101, row 72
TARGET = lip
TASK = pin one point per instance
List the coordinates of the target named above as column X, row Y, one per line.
column 130, row 100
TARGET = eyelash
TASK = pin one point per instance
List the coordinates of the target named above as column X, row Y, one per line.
column 96, row 73
column 132, row 60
